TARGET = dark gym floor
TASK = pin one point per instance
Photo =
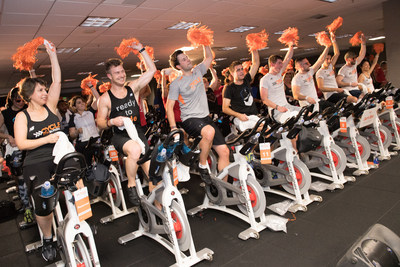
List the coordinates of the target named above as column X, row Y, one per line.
column 318, row 237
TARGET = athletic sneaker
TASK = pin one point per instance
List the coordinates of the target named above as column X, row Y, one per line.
column 28, row 217
column 133, row 196
column 205, row 175
column 49, row 252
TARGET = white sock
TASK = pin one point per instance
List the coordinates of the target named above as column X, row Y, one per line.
column 202, row 166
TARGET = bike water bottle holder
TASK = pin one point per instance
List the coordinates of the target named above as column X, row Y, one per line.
column 97, row 179
column 44, row 205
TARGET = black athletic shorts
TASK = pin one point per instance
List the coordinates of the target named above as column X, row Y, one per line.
column 193, row 127
column 37, row 174
column 120, row 138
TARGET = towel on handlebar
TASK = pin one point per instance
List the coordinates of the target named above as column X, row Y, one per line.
column 10, row 149
column 62, row 147
column 244, row 125
column 132, row 132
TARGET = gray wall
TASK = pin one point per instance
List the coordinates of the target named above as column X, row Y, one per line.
column 391, row 16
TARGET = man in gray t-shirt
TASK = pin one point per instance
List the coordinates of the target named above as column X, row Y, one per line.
column 188, row 89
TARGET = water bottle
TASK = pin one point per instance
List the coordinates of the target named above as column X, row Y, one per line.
column 250, row 144
column 162, row 155
column 47, row 189
column 376, row 162
column 185, row 149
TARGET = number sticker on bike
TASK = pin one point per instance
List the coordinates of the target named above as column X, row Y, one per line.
column 343, row 125
column 82, row 204
column 265, row 153
column 389, row 102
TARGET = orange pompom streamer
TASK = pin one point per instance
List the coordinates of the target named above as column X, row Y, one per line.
column 356, row 39
column 263, row 70
column 256, row 41
column 157, row 75
column 89, row 79
column 24, row 58
column 105, row 87
column 246, row 66
column 289, row 36
column 124, row 48
column 378, row 47
column 323, row 39
column 172, row 76
column 335, row 24
column 200, row 36
column 225, row 71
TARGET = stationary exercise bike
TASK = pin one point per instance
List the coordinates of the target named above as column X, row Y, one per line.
column 73, row 233
column 245, row 192
column 286, row 169
column 170, row 217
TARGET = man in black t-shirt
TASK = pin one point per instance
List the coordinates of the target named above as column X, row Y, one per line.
column 238, row 100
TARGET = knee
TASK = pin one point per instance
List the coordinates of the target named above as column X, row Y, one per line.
column 223, row 152
column 207, row 133
column 133, row 151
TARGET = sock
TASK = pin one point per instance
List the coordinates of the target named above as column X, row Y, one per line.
column 47, row 239
column 202, row 166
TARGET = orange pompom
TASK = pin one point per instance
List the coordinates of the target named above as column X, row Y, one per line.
column 256, row 41
column 289, row 36
column 157, row 75
column 24, row 58
column 104, row 87
column 84, row 84
column 172, row 76
column 379, row 47
column 246, row 66
column 335, row 24
column 124, row 48
column 200, row 36
column 263, row 70
column 356, row 39
column 323, row 39
column 225, row 72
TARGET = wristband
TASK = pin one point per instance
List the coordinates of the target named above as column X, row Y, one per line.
column 142, row 50
column 109, row 120
column 173, row 127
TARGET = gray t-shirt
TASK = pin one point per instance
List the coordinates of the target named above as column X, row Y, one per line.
column 190, row 92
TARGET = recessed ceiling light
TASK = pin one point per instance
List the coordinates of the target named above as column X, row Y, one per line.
column 99, row 22
column 329, row 1
column 220, row 59
column 243, row 29
column 244, row 58
column 287, row 48
column 279, row 32
column 377, row 38
column 312, row 34
column 344, row 35
column 45, row 67
column 310, row 49
column 100, row 64
column 136, row 75
column 265, row 48
column 67, row 50
column 227, row 48
column 69, row 80
column 186, row 48
column 183, row 25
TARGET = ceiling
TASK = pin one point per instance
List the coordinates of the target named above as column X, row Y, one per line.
column 147, row 20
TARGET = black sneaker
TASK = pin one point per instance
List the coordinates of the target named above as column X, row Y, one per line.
column 205, row 176
column 49, row 252
column 133, row 196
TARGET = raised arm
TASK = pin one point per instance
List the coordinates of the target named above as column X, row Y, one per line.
column 255, row 63
column 55, row 87
column 288, row 57
column 146, row 77
column 363, row 50
column 96, row 96
column 320, row 60
column 373, row 65
column 214, row 81
column 336, row 51
column 208, row 56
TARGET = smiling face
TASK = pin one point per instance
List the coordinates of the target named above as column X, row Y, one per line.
column 80, row 105
column 117, row 75
column 365, row 66
column 39, row 95
column 327, row 61
column 277, row 66
column 303, row 65
column 185, row 63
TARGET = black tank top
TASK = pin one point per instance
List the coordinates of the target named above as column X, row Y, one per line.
column 9, row 118
column 126, row 107
column 38, row 129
